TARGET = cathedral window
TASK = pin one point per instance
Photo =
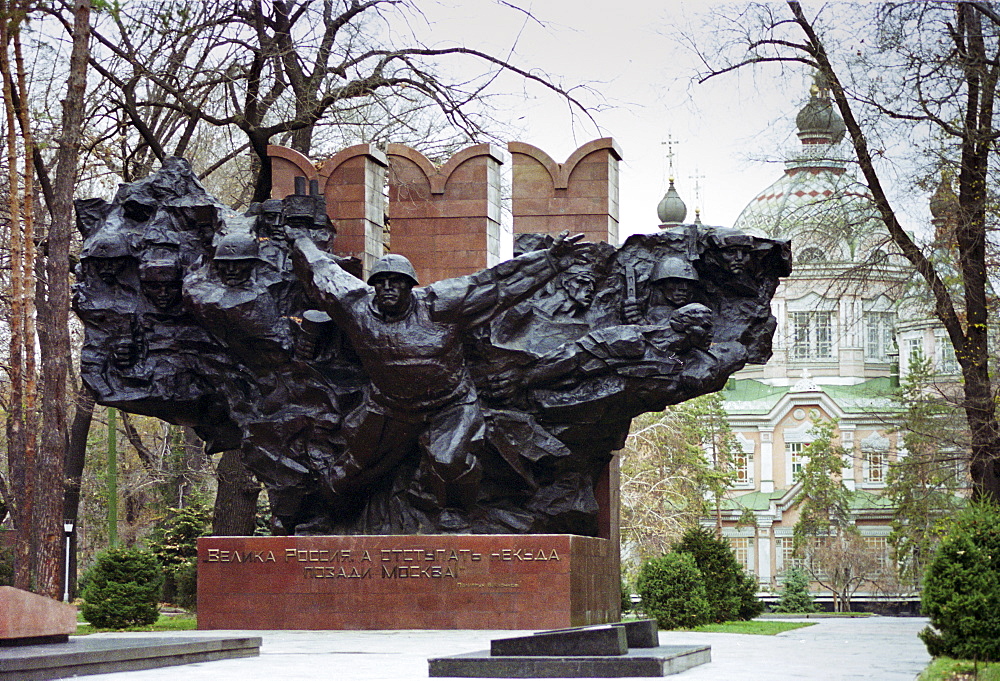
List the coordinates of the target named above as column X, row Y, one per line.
column 944, row 360
column 793, row 451
column 812, row 335
column 914, row 351
column 880, row 547
column 876, row 466
column 879, row 339
column 741, row 549
column 785, row 554
column 741, row 469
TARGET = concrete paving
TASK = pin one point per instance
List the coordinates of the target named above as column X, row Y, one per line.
column 880, row 648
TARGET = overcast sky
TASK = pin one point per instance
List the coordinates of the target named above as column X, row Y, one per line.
column 733, row 132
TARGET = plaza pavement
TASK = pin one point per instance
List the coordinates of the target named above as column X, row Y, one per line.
column 874, row 648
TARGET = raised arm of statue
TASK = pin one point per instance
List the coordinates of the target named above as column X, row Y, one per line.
column 477, row 298
column 326, row 281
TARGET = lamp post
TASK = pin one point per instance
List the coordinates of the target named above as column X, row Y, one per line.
column 68, row 532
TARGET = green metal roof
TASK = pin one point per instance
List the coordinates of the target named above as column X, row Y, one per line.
column 875, row 393
column 748, row 396
column 862, row 499
column 761, row 501
column 754, row 501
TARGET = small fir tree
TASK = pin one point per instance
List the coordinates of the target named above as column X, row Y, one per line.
column 123, row 589
column 926, row 485
column 673, row 591
column 836, row 555
column 673, row 464
column 626, row 594
column 825, row 499
column 795, row 595
column 175, row 545
column 961, row 593
column 731, row 593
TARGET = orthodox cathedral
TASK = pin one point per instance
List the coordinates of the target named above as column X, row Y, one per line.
column 843, row 333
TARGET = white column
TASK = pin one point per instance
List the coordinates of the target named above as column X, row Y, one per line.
column 847, row 441
column 765, row 567
column 766, row 460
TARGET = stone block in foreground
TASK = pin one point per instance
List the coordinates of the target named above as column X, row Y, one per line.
column 654, row 662
column 607, row 640
column 96, row 654
column 27, row 618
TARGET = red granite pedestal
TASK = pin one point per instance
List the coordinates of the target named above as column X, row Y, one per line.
column 406, row 582
column 29, row 618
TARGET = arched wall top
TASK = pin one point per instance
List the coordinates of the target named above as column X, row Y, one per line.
column 330, row 166
column 295, row 158
column 437, row 176
column 540, row 157
column 561, row 172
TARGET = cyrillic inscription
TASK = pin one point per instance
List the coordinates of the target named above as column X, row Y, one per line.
column 225, row 556
column 396, row 563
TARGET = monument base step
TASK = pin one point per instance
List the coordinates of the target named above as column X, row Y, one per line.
column 86, row 655
column 659, row 661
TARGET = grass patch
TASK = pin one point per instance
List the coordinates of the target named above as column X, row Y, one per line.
column 947, row 669
column 756, row 627
column 185, row 622
column 815, row 615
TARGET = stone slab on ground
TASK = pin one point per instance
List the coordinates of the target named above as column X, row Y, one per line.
column 603, row 640
column 26, row 617
column 648, row 662
column 641, row 633
column 638, row 633
column 83, row 655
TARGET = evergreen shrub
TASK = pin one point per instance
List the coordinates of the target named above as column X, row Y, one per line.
column 175, row 544
column 6, row 566
column 626, row 605
column 123, row 589
column 731, row 593
column 795, row 595
column 673, row 591
column 961, row 593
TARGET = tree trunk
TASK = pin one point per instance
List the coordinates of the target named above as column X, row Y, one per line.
column 192, row 459
column 236, row 499
column 19, row 457
column 55, row 316
column 976, row 134
column 76, row 455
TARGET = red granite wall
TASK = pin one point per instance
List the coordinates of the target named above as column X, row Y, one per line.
column 286, row 165
column 445, row 219
column 353, row 183
column 405, row 582
column 580, row 195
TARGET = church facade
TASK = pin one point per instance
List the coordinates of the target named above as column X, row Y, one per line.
column 846, row 324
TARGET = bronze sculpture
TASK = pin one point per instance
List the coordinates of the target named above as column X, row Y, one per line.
column 487, row 403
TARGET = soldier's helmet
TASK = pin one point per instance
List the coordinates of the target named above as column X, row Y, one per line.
column 159, row 269
column 728, row 236
column 393, row 264
column 105, row 244
column 673, row 268
column 272, row 206
column 237, row 246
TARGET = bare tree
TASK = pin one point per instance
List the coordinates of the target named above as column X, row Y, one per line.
column 843, row 563
column 672, row 464
column 282, row 67
column 40, row 291
column 930, row 64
